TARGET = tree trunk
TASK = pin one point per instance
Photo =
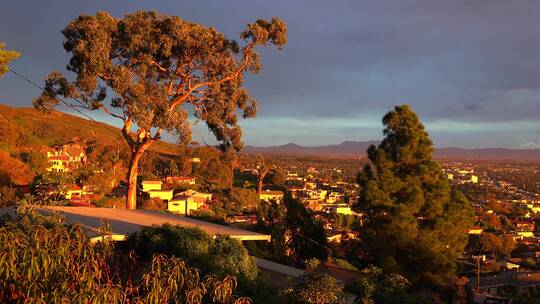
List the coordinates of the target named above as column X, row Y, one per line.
column 259, row 186
column 131, row 200
column 260, row 182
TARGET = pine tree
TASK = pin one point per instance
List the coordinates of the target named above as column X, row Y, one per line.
column 415, row 224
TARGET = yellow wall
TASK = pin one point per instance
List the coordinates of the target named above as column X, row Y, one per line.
column 162, row 194
column 179, row 206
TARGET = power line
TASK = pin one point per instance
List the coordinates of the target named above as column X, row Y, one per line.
column 43, row 90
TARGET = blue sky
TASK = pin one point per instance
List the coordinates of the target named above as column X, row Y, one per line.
column 470, row 69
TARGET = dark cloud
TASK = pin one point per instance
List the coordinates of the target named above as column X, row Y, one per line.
column 462, row 63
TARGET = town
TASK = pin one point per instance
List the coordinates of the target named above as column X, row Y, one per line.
column 503, row 246
column 283, row 152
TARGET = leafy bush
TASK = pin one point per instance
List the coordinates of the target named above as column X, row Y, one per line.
column 315, row 288
column 43, row 262
column 8, row 196
column 154, row 204
column 221, row 256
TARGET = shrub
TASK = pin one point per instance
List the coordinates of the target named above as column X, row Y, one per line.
column 43, row 262
column 8, row 196
column 111, row 202
column 220, row 256
column 154, row 204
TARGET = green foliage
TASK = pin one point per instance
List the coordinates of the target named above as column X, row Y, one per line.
column 239, row 199
column 490, row 243
column 220, row 256
column 315, row 288
column 43, row 262
column 276, row 176
column 292, row 227
column 154, row 204
column 37, row 161
column 154, row 66
column 415, row 224
column 50, row 188
column 8, row 196
column 375, row 286
column 6, row 56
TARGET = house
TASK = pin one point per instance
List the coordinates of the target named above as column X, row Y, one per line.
column 270, row 195
column 340, row 209
column 151, row 185
column 67, row 158
column 525, row 225
column 334, row 197
column 188, row 201
column 507, row 282
column 190, row 192
column 153, row 188
column 180, row 180
column 74, row 191
column 477, row 230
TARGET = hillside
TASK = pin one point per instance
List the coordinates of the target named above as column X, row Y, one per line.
column 25, row 130
column 358, row 149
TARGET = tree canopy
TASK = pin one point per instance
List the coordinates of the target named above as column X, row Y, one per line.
column 6, row 56
column 146, row 68
column 415, row 224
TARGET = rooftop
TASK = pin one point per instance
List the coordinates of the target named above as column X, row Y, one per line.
column 124, row 222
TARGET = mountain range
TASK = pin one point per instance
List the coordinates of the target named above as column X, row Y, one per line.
column 358, row 149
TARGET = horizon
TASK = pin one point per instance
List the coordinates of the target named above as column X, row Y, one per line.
column 473, row 80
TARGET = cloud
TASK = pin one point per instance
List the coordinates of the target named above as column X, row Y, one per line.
column 531, row 145
column 462, row 65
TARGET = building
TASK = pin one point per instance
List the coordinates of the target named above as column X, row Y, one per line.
column 153, row 188
column 270, row 195
column 507, row 282
column 188, row 201
column 151, row 185
column 67, row 158
column 477, row 230
column 180, row 180
column 474, row 179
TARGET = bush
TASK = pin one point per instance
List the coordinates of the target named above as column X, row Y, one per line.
column 219, row 256
column 315, row 288
column 8, row 196
column 154, row 204
column 111, row 202
column 61, row 265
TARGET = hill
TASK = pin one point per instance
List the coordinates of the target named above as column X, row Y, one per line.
column 29, row 128
column 26, row 131
column 358, row 149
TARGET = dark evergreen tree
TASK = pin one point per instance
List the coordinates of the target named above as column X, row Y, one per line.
column 415, row 225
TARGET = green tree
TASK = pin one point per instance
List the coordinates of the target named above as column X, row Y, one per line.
column 6, row 56
column 293, row 228
column 415, row 224
column 156, row 65
column 276, row 176
column 240, row 199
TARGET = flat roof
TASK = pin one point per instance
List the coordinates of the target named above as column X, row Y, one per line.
column 124, row 221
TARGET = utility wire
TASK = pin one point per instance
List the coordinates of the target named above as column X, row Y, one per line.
column 43, row 90
column 32, row 83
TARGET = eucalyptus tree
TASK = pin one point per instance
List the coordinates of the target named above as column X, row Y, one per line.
column 151, row 71
column 6, row 56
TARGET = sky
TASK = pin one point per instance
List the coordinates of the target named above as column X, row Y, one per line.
column 470, row 69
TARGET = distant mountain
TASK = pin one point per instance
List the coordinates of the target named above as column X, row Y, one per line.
column 358, row 149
